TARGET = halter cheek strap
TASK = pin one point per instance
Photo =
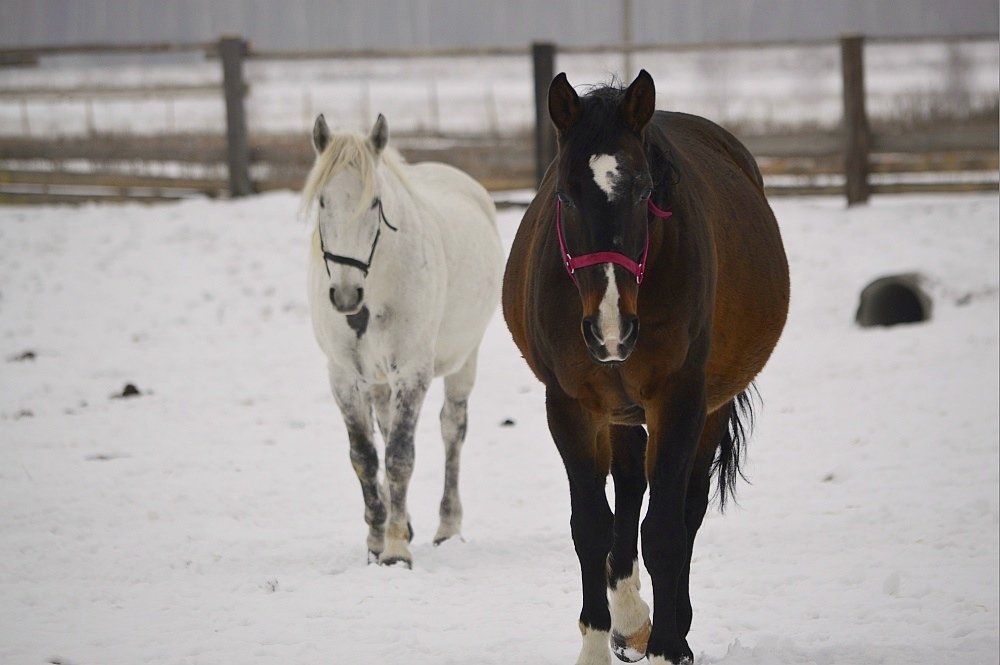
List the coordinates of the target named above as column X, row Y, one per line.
column 573, row 263
column 363, row 266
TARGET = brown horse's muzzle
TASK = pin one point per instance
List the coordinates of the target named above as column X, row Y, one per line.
column 610, row 325
column 608, row 349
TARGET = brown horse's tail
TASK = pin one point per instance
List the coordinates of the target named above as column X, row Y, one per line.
column 727, row 467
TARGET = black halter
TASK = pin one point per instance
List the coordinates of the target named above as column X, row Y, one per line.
column 347, row 260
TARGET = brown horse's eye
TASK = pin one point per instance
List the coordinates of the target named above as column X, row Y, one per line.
column 564, row 199
column 646, row 193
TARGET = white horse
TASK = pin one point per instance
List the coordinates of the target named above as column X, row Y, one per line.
column 404, row 275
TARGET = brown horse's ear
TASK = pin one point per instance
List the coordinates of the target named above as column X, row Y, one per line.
column 639, row 102
column 564, row 103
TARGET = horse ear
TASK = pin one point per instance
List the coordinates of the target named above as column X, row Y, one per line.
column 639, row 102
column 379, row 136
column 564, row 103
column 321, row 134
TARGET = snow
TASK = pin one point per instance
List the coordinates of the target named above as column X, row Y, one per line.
column 216, row 518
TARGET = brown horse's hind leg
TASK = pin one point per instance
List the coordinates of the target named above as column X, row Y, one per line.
column 586, row 457
column 630, row 624
column 716, row 427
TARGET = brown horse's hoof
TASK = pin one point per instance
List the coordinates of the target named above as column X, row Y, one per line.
column 631, row 648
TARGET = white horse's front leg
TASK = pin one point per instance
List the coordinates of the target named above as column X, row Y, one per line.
column 407, row 397
column 357, row 412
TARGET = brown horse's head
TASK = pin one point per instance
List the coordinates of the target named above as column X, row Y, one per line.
column 603, row 185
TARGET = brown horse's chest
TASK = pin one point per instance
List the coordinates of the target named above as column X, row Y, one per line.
column 616, row 393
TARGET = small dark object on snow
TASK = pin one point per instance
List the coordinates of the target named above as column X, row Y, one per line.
column 507, row 422
column 104, row 457
column 893, row 299
column 22, row 357
column 128, row 391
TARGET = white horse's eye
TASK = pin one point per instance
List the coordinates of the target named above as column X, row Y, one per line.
column 322, row 202
column 374, row 203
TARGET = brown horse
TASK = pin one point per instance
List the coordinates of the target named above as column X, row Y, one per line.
column 660, row 219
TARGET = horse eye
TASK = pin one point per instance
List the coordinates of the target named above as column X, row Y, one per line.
column 564, row 199
column 646, row 193
column 322, row 202
column 374, row 203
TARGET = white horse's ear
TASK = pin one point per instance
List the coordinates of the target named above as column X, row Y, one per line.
column 379, row 136
column 321, row 134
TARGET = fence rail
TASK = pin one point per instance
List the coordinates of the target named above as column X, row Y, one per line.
column 856, row 159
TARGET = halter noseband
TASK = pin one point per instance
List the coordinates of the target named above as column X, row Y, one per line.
column 363, row 266
column 572, row 263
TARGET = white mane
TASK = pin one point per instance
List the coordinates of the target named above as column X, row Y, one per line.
column 350, row 150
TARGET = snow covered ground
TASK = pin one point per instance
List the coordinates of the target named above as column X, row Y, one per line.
column 215, row 518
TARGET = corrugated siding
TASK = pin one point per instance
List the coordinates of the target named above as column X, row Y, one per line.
column 313, row 24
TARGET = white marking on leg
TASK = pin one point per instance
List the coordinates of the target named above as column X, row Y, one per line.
column 609, row 316
column 629, row 612
column 595, row 647
column 605, row 169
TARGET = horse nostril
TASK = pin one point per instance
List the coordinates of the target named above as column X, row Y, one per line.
column 592, row 333
column 630, row 329
column 333, row 298
column 361, row 294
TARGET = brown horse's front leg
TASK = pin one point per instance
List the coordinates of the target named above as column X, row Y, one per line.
column 629, row 612
column 591, row 521
column 675, row 426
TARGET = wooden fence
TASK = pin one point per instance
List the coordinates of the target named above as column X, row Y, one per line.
column 854, row 160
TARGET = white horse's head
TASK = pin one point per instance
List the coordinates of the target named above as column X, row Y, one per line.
column 344, row 192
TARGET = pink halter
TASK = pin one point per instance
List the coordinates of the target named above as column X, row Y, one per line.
column 573, row 263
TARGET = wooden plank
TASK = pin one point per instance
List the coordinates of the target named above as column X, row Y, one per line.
column 105, row 48
column 25, row 198
column 934, row 187
column 795, row 144
column 186, row 148
column 232, row 50
column 111, row 91
column 857, row 137
column 951, row 136
column 543, row 58
column 118, row 180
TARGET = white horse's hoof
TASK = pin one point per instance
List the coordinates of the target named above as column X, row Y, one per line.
column 396, row 561
column 631, row 648
column 396, row 552
column 446, row 531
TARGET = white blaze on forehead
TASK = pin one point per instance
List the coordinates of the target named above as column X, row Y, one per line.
column 605, row 168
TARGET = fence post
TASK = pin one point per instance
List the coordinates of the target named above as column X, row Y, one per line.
column 857, row 137
column 232, row 50
column 543, row 58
